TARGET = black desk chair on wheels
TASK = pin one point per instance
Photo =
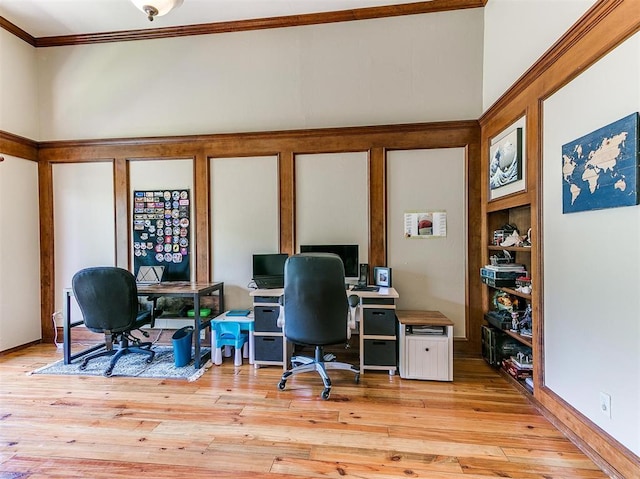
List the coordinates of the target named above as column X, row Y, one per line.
column 108, row 300
column 316, row 313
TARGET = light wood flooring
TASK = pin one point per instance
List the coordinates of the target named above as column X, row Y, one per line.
column 235, row 423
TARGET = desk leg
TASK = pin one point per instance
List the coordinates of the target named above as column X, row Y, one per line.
column 67, row 328
column 252, row 348
column 198, row 325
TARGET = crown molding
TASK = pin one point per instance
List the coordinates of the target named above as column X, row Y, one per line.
column 368, row 13
column 17, row 31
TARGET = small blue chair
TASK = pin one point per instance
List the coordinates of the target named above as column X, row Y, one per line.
column 229, row 334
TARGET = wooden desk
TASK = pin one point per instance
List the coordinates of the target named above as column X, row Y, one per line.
column 378, row 341
column 183, row 289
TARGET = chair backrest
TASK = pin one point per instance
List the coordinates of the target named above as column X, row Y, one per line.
column 108, row 298
column 227, row 330
column 315, row 299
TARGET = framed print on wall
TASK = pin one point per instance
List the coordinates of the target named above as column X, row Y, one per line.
column 507, row 163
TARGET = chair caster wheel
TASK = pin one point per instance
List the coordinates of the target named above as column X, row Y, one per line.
column 357, row 378
column 83, row 366
column 281, row 385
column 149, row 361
column 325, row 394
column 108, row 373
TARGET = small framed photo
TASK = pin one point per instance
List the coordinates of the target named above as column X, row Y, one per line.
column 382, row 276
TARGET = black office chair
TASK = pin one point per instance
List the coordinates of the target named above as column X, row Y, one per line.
column 316, row 313
column 108, row 300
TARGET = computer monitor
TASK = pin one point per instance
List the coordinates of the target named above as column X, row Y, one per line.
column 348, row 253
column 268, row 270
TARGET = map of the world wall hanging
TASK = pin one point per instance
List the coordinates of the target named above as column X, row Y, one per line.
column 161, row 232
column 600, row 170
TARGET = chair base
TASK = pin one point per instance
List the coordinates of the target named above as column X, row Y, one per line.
column 303, row 364
column 123, row 348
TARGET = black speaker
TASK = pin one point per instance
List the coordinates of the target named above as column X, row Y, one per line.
column 363, row 279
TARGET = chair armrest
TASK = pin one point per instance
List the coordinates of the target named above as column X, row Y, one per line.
column 280, row 320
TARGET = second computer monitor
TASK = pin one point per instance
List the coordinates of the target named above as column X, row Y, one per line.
column 348, row 254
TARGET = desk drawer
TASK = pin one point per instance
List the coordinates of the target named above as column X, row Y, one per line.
column 268, row 348
column 379, row 322
column 266, row 318
column 380, row 352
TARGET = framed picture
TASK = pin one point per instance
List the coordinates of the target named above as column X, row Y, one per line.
column 600, row 169
column 382, row 276
column 507, row 164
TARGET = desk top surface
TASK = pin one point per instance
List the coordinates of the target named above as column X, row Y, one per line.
column 178, row 287
column 234, row 319
column 419, row 318
column 381, row 293
column 172, row 287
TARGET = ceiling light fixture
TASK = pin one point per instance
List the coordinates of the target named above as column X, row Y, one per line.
column 156, row 8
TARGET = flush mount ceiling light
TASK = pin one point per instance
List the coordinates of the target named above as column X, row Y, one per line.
column 156, row 8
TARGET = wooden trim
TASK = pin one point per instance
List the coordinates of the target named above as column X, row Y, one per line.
column 603, row 11
column 121, row 212
column 473, row 311
column 287, row 194
column 578, row 427
column 18, row 146
column 265, row 142
column 17, row 31
column 203, row 217
column 377, row 209
column 47, row 250
column 367, row 13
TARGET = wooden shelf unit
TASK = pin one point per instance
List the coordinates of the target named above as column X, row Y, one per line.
column 516, row 211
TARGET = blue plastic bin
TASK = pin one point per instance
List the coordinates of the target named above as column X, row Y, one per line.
column 182, row 339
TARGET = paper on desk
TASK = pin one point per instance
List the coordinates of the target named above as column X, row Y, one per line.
column 383, row 291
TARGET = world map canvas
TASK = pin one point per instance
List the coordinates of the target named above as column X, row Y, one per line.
column 600, row 170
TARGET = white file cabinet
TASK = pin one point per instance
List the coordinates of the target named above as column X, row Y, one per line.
column 426, row 345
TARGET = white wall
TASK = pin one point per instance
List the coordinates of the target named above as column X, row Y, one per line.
column 592, row 259
column 19, row 253
column 245, row 220
column 84, row 222
column 429, row 274
column 415, row 68
column 18, row 86
column 517, row 33
column 332, row 200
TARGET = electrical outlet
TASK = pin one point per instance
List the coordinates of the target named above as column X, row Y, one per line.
column 605, row 404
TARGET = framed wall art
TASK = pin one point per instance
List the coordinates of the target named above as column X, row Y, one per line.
column 507, row 163
column 600, row 169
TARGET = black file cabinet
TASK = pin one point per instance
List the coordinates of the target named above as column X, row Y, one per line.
column 270, row 346
column 378, row 334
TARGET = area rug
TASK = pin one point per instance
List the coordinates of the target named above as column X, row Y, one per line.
column 131, row 365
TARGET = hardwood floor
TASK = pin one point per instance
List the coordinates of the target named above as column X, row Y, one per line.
column 235, row 423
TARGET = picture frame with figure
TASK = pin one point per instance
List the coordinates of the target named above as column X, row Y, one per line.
column 507, row 163
column 382, row 276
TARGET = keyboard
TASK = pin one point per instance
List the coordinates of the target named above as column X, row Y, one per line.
column 365, row 288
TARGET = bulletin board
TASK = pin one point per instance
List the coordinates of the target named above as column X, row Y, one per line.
column 161, row 232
